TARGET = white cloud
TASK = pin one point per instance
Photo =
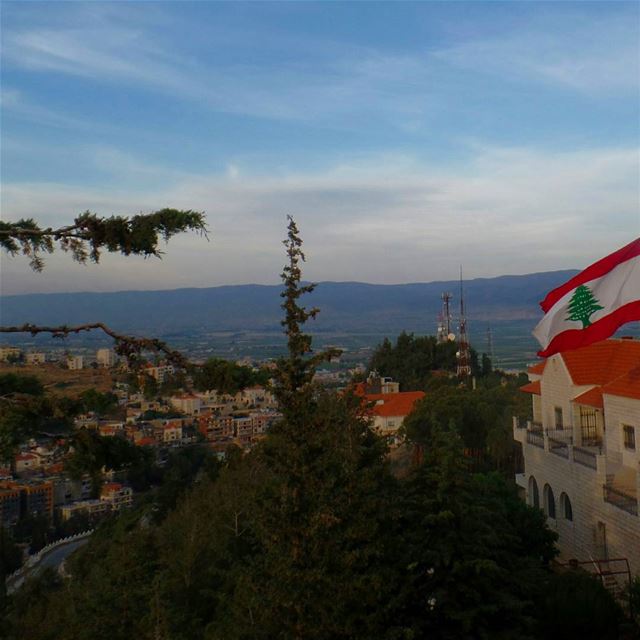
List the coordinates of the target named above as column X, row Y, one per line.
column 588, row 54
column 390, row 219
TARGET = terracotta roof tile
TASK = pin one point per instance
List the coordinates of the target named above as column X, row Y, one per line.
column 394, row 404
column 627, row 385
column 537, row 368
column 591, row 398
column 602, row 362
column 532, row 387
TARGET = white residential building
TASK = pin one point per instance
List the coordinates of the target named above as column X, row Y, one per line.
column 75, row 363
column 106, row 358
column 582, row 450
column 387, row 406
column 35, row 358
column 7, row 353
column 117, row 495
column 187, row 403
column 160, row 373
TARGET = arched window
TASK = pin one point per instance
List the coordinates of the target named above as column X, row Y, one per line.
column 534, row 496
column 565, row 507
column 549, row 502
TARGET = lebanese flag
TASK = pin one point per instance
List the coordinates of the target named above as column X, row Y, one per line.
column 592, row 305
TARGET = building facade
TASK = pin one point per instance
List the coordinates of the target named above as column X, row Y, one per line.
column 36, row 358
column 106, row 358
column 582, row 450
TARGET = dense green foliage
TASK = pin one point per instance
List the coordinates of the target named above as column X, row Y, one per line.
column 97, row 402
column 15, row 383
column 92, row 453
column 411, row 360
column 482, row 417
column 481, row 413
column 576, row 605
column 227, row 376
column 27, row 411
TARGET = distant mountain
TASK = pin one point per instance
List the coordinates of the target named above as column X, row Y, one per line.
column 346, row 307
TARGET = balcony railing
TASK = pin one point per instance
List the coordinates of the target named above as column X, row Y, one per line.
column 591, row 441
column 585, row 457
column 561, row 435
column 621, row 499
column 559, row 447
column 535, row 438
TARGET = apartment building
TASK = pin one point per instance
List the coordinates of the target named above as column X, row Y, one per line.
column 106, row 358
column 9, row 353
column 117, row 495
column 9, row 505
column 187, row 403
column 35, row 358
column 35, row 498
column 582, row 450
column 75, row 363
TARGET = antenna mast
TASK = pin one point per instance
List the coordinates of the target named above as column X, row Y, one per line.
column 444, row 319
column 464, row 366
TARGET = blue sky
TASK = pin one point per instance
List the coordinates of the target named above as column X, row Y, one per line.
column 406, row 138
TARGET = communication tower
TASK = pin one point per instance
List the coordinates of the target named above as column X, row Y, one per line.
column 464, row 361
column 444, row 319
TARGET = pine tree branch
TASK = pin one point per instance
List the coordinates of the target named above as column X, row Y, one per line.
column 130, row 347
column 89, row 235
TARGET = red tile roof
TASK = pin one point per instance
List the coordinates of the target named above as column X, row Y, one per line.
column 394, row 404
column 612, row 367
column 591, row 398
column 627, row 385
column 110, row 487
column 602, row 362
column 538, row 368
column 532, row 387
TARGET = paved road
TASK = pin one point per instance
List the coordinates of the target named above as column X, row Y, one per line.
column 53, row 559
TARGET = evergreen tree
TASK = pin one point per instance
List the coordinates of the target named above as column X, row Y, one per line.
column 321, row 515
column 473, row 567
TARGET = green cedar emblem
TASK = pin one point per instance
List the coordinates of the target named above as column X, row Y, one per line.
column 582, row 305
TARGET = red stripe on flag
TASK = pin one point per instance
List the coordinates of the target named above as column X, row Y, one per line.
column 596, row 270
column 599, row 330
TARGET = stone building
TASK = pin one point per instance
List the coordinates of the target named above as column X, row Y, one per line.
column 582, row 450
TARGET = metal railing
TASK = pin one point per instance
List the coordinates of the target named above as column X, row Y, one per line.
column 559, row 447
column 535, row 438
column 620, row 499
column 614, row 573
column 585, row 458
column 561, row 435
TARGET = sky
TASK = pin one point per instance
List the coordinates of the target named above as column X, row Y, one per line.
column 406, row 139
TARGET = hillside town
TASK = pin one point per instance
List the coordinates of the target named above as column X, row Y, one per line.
column 36, row 483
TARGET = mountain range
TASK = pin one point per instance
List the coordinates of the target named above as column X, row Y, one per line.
column 346, row 307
